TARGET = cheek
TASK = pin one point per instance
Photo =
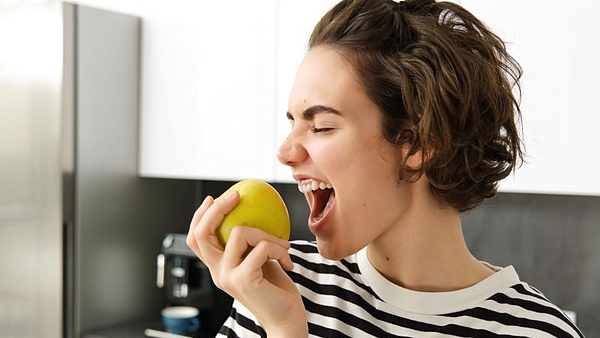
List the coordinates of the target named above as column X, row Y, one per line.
column 327, row 156
column 388, row 158
column 356, row 157
column 382, row 160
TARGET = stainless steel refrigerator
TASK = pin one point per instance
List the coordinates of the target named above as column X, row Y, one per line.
column 79, row 230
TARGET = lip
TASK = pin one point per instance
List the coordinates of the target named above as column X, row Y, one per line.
column 301, row 177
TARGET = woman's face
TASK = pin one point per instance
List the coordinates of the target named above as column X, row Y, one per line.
column 339, row 157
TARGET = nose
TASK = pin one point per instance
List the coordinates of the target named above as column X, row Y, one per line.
column 291, row 152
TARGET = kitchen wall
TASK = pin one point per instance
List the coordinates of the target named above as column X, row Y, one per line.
column 553, row 241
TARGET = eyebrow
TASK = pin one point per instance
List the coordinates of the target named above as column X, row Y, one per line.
column 310, row 112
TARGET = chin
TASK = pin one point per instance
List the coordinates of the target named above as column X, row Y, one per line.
column 332, row 252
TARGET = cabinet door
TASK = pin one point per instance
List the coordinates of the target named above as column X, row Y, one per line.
column 208, row 93
column 560, row 88
column 296, row 22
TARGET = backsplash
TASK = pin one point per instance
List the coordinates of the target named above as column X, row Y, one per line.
column 552, row 241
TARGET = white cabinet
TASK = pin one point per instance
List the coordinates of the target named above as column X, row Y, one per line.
column 558, row 49
column 208, row 91
column 215, row 86
column 216, row 77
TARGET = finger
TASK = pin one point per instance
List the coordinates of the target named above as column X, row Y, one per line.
column 208, row 201
column 214, row 215
column 204, row 233
column 253, row 236
column 244, row 277
column 264, row 252
column 190, row 240
column 244, row 238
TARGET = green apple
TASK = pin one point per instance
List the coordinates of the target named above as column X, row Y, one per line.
column 260, row 206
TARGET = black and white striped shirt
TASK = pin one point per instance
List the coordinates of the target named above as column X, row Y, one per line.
column 349, row 298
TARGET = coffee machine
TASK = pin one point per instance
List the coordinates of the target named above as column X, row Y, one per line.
column 187, row 281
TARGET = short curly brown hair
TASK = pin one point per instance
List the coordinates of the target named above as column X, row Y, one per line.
column 444, row 84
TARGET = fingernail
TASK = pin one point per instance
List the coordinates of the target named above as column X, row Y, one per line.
column 230, row 195
column 205, row 201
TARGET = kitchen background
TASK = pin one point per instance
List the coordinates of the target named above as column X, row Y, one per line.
column 116, row 119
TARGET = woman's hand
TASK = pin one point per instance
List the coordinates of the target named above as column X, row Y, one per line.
column 250, row 268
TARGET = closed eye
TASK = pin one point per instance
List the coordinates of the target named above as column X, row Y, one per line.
column 320, row 130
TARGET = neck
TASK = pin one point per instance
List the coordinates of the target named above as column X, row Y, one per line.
column 426, row 251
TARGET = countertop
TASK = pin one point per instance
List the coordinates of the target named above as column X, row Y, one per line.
column 136, row 330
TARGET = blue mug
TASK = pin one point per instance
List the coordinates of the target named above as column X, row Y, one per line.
column 180, row 319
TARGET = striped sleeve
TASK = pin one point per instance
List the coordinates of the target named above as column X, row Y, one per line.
column 241, row 323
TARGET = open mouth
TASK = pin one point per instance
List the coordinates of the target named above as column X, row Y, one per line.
column 323, row 197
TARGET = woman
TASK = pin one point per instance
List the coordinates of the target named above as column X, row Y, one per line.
column 403, row 116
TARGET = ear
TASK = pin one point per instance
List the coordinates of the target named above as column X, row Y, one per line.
column 414, row 158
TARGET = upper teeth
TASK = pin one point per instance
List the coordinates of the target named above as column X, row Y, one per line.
column 312, row 186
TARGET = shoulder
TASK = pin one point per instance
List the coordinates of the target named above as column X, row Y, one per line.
column 523, row 306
